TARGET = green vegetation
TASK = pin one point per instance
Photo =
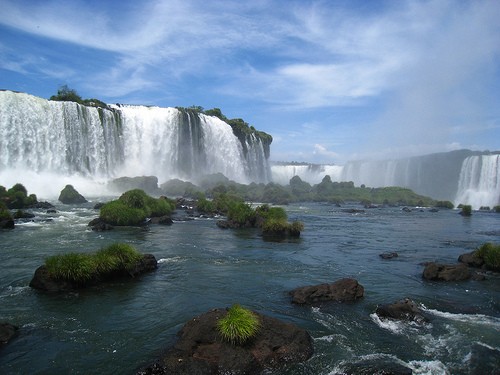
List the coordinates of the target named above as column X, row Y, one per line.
column 444, row 204
column 466, row 210
column 79, row 268
column 65, row 94
column 496, row 209
column 241, row 213
column 17, row 197
column 241, row 128
column 133, row 207
column 238, row 325
column 490, row 253
column 4, row 212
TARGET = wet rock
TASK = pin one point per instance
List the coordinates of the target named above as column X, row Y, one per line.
column 162, row 220
column 69, row 195
column 42, row 205
column 404, row 309
column 7, row 223
column 471, row 259
column 446, row 272
column 99, row 225
column 42, row 280
column 343, row 290
column 7, row 332
column 201, row 350
column 389, row 255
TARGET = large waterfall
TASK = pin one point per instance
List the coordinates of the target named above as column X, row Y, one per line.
column 46, row 140
column 479, row 183
column 461, row 176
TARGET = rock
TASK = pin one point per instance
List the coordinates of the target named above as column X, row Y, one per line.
column 404, row 309
column 99, row 225
column 43, row 281
column 201, row 350
column 471, row 259
column 343, row 290
column 147, row 183
column 7, row 223
column 352, row 211
column 98, row 206
column 69, row 195
column 406, row 209
column 389, row 255
column 20, row 214
column 162, row 220
column 42, row 205
column 446, row 272
column 7, row 332
column 51, row 211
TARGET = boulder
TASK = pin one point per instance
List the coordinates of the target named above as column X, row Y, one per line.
column 69, row 195
column 99, row 225
column 7, row 332
column 343, row 290
column 471, row 259
column 162, row 220
column 446, row 272
column 7, row 223
column 389, row 255
column 404, row 309
column 42, row 280
column 201, row 350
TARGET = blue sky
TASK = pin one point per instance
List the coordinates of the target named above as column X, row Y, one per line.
column 330, row 80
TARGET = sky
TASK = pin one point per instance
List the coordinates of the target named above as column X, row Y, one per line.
column 331, row 80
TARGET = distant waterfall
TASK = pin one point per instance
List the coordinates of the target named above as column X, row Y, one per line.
column 41, row 137
column 479, row 183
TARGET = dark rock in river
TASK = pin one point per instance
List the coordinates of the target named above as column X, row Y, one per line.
column 446, row 272
column 343, row 290
column 389, row 255
column 42, row 205
column 201, row 350
column 471, row 259
column 162, row 220
column 99, row 225
column 484, row 360
column 7, row 223
column 404, row 309
column 7, row 332
column 69, row 195
column 42, row 280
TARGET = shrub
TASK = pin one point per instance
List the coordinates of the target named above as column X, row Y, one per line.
column 444, row 204
column 490, row 253
column 241, row 213
column 133, row 207
column 275, row 226
column 466, row 210
column 81, row 267
column 238, row 325
column 4, row 212
column 17, row 197
column 295, row 228
column 74, row 267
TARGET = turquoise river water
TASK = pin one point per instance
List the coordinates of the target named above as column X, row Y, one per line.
column 119, row 327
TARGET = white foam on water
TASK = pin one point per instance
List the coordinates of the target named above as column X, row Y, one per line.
column 428, row 368
column 481, row 319
column 391, row 325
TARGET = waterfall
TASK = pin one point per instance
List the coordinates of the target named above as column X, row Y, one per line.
column 479, row 183
column 311, row 173
column 67, row 140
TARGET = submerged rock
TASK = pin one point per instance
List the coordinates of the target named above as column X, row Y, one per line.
column 201, row 350
column 7, row 223
column 471, row 259
column 7, row 332
column 389, row 255
column 343, row 290
column 446, row 272
column 404, row 309
column 69, row 195
column 99, row 225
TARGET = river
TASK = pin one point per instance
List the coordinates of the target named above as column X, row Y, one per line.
column 118, row 327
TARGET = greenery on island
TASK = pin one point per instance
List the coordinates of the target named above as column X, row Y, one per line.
column 444, row 204
column 466, row 210
column 81, row 267
column 4, row 212
column 238, row 325
column 301, row 191
column 133, row 207
column 65, row 94
column 496, row 209
column 490, row 253
column 17, row 197
column 240, row 127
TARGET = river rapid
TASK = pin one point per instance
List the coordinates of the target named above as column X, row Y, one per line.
column 118, row 327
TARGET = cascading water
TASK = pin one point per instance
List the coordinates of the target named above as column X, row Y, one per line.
column 68, row 141
column 479, row 184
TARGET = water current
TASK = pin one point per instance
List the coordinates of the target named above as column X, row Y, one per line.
column 118, row 327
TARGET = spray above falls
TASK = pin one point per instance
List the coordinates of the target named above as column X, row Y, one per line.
column 41, row 137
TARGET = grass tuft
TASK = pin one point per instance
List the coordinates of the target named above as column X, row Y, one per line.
column 238, row 325
column 490, row 253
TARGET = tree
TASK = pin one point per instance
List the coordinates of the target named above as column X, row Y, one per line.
column 65, row 94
